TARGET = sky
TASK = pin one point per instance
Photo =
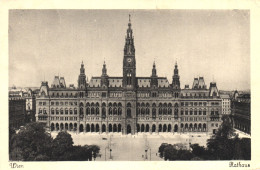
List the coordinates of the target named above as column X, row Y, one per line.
column 214, row 44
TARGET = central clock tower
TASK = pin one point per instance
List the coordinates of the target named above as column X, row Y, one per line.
column 129, row 63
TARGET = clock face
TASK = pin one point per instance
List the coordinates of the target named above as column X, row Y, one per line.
column 129, row 60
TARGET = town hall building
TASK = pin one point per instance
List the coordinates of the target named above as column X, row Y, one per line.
column 129, row 104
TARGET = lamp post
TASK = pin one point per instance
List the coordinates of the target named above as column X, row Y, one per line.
column 150, row 154
column 110, row 157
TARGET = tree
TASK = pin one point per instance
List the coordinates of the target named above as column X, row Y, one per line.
column 62, row 146
column 225, row 144
column 170, row 153
column 184, row 155
column 161, row 149
column 31, row 142
column 11, row 140
column 198, row 151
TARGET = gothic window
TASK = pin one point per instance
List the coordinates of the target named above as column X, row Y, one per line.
column 75, row 111
column 52, row 111
column 128, row 110
column 119, row 111
column 61, row 111
column 204, row 112
column 195, row 112
column 138, row 110
column 66, row 111
column 160, row 111
column 92, row 111
column 57, row 111
column 81, row 111
column 186, row 112
column 142, row 111
column 97, row 111
column 71, row 111
column 147, row 111
column 114, row 111
column 110, row 111
column 212, row 112
column 88, row 111
column 103, row 112
column 169, row 111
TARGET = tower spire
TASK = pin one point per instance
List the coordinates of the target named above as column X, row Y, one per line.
column 82, row 77
column 154, row 74
column 129, row 41
column 176, row 77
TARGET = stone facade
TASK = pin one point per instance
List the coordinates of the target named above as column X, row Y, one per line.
column 241, row 112
column 129, row 104
column 226, row 104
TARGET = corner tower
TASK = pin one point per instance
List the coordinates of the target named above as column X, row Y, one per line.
column 129, row 62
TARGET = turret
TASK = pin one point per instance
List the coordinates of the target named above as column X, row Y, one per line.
column 176, row 78
column 104, row 76
column 154, row 80
column 82, row 77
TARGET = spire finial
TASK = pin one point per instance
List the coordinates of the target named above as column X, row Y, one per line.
column 129, row 18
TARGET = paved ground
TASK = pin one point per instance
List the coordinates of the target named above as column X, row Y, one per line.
column 132, row 147
column 242, row 134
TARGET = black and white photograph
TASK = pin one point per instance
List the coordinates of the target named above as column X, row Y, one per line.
column 124, row 85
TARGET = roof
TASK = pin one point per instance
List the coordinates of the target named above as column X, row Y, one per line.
column 224, row 96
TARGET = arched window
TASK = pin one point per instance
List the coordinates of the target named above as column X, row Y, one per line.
column 160, row 111
column 142, row 111
column 195, row 111
column 212, row 111
column 87, row 111
column 52, row 111
column 75, row 111
column 71, row 111
column 200, row 112
column 119, row 111
column 204, row 111
column 97, row 111
column 154, row 112
column 92, row 111
column 61, row 111
column 57, row 111
column 147, row 111
column 110, row 111
column 114, row 111
column 169, row 111
column 128, row 110
column 81, row 104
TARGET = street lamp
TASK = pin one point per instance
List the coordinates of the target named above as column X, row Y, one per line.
column 110, row 153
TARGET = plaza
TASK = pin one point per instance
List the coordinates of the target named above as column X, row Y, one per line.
column 139, row 147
